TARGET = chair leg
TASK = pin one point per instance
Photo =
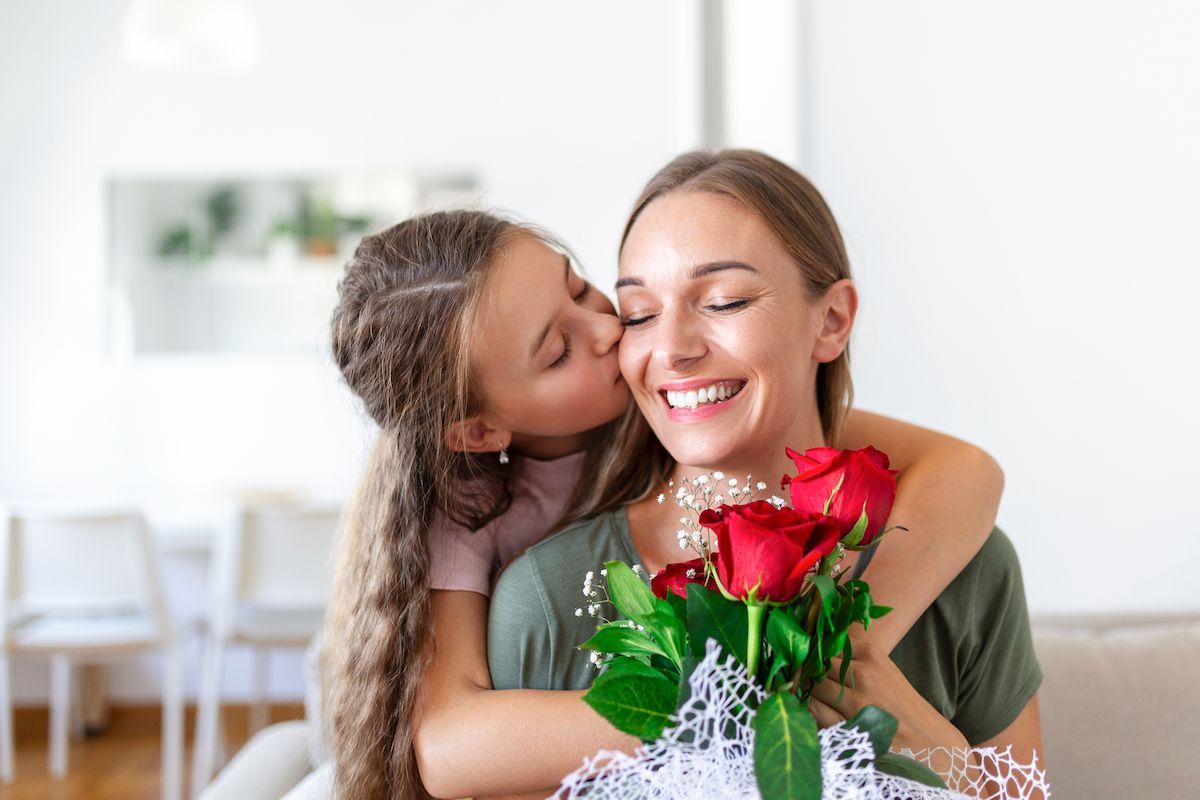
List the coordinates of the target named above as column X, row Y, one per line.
column 208, row 709
column 60, row 707
column 258, row 703
column 6, row 724
column 172, row 740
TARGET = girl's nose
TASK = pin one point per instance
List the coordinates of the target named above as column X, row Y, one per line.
column 607, row 331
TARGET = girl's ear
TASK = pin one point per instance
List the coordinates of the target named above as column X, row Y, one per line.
column 835, row 311
column 473, row 435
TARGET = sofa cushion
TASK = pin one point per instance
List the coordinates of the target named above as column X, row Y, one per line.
column 1120, row 709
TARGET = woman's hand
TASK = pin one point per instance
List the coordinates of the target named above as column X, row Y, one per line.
column 875, row 680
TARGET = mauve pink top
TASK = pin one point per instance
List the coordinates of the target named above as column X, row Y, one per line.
column 470, row 560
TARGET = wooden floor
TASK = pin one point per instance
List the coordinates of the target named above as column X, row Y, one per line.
column 123, row 763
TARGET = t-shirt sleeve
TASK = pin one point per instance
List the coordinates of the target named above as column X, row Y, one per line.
column 520, row 630
column 460, row 559
column 1002, row 672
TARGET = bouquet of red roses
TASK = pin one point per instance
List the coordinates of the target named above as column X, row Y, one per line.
column 771, row 593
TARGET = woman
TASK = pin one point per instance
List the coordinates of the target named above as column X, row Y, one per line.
column 733, row 275
column 491, row 369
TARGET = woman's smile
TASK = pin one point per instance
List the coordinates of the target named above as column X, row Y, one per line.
column 696, row 400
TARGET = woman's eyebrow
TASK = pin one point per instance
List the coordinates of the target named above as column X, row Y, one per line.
column 696, row 272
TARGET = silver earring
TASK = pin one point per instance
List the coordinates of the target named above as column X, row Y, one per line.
column 503, row 455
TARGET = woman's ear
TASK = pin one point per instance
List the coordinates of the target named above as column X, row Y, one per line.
column 473, row 435
column 835, row 312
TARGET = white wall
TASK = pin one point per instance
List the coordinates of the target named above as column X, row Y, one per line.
column 1017, row 183
column 565, row 110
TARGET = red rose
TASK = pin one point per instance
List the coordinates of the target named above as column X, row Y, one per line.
column 768, row 550
column 675, row 577
column 865, row 481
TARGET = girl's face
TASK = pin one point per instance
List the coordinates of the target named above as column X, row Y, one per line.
column 721, row 342
column 545, row 349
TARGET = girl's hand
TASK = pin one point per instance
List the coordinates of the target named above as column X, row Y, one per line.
column 875, row 680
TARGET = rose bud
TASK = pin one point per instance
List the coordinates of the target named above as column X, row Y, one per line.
column 866, row 483
column 676, row 577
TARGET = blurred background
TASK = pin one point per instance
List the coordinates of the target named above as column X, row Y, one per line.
column 180, row 183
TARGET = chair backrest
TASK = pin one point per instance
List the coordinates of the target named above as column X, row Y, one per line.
column 77, row 562
column 284, row 557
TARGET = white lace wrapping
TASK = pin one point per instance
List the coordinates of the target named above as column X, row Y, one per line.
column 710, row 754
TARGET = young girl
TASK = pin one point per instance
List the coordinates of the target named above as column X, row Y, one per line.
column 490, row 367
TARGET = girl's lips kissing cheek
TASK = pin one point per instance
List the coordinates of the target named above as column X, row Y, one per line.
column 694, row 400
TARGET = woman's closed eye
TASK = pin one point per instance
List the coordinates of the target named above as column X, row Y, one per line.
column 633, row 320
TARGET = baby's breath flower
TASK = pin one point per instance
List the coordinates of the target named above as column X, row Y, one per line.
column 691, row 573
column 683, row 544
column 719, row 499
column 734, row 492
column 637, row 569
column 579, row 612
column 592, row 609
column 718, row 475
column 760, row 486
column 604, row 572
column 778, row 502
column 733, row 481
column 662, row 498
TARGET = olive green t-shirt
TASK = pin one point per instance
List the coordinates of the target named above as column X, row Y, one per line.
column 970, row 654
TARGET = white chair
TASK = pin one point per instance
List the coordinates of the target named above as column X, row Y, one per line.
column 84, row 587
column 272, row 569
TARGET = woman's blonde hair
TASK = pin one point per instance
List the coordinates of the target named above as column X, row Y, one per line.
column 636, row 464
column 401, row 335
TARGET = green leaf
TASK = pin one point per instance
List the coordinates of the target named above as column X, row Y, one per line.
column 787, row 636
column 622, row 641
column 684, row 694
column 829, row 594
column 667, row 630
column 905, row 767
column 636, row 701
column 711, row 616
column 628, row 593
column 878, row 611
column 877, row 724
column 678, row 605
column 787, row 752
column 855, row 535
column 778, row 665
column 629, row 666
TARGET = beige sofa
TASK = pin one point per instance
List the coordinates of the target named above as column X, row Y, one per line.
column 1120, row 710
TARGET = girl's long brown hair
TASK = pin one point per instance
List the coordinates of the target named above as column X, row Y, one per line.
column 401, row 334
column 635, row 464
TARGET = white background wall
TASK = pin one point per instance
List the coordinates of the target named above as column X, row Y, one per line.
column 1016, row 183
column 564, row 109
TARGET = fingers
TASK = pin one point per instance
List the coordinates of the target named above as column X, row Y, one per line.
column 825, row 715
column 833, row 695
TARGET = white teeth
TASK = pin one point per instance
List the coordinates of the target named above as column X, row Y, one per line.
column 715, row 393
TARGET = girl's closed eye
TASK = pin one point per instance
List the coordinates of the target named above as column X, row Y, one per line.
column 566, row 353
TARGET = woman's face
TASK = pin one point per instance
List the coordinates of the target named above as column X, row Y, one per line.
column 714, row 308
column 545, row 347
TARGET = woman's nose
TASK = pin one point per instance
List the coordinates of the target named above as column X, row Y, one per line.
column 677, row 344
